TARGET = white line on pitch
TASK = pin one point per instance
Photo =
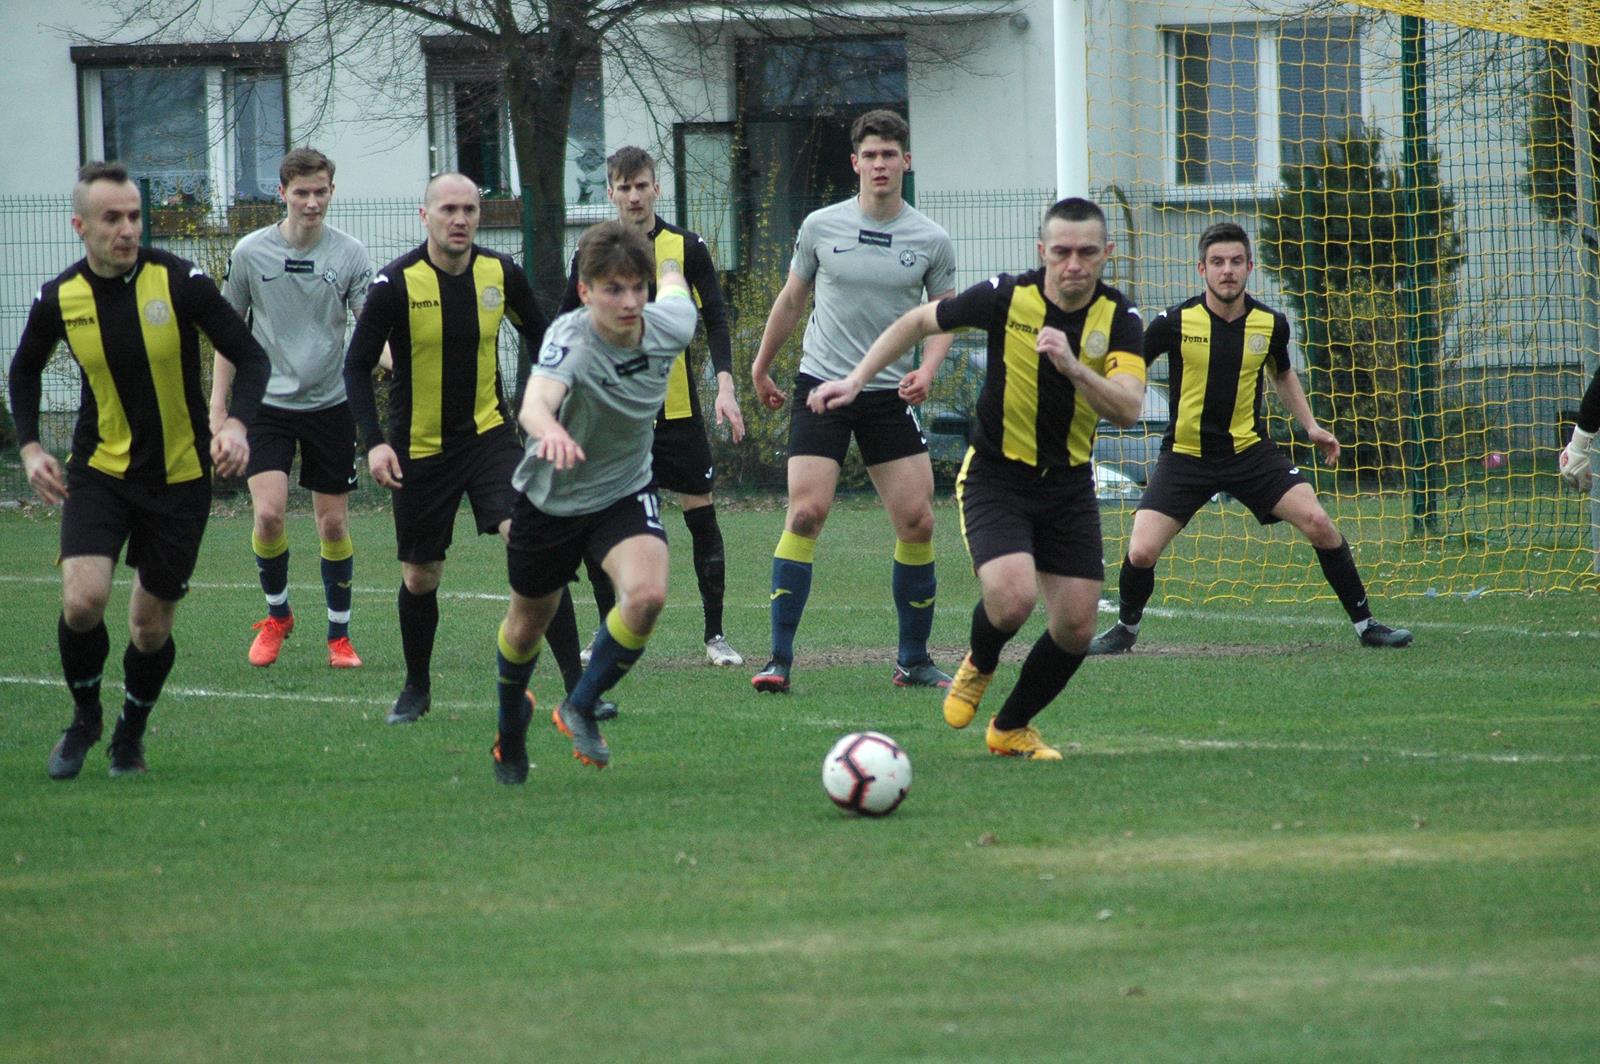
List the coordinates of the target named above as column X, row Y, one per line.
column 1235, row 616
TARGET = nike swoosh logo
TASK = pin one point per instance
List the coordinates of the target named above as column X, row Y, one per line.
column 780, row 591
column 841, row 251
column 924, row 604
column 274, row 277
column 346, row 585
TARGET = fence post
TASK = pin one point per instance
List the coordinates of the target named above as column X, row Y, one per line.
column 1419, row 279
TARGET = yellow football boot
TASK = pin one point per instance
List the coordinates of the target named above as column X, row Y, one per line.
column 966, row 691
column 1020, row 742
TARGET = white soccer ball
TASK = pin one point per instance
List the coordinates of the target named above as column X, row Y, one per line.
column 867, row 773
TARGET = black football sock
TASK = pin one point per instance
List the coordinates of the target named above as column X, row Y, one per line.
column 1339, row 566
column 562, row 635
column 1044, row 673
column 710, row 565
column 987, row 640
column 419, row 620
column 1134, row 588
column 83, row 662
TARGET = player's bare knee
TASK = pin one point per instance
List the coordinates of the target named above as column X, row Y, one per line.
column 82, row 608
column 1009, row 610
column 1143, row 555
column 806, row 519
column 269, row 523
column 331, row 528
column 1322, row 532
column 643, row 605
column 915, row 527
column 149, row 632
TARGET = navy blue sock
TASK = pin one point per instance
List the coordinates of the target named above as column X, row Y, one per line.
column 338, row 572
column 513, row 684
column 914, row 586
column 272, row 565
column 791, row 586
column 616, row 648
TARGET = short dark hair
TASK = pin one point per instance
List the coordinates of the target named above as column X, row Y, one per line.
column 89, row 173
column 303, row 162
column 614, row 249
column 881, row 123
column 627, row 161
column 1225, row 233
column 1074, row 209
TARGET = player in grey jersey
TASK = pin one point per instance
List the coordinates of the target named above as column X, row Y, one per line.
column 298, row 282
column 585, row 485
column 869, row 259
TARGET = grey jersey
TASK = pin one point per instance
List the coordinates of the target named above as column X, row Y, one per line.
column 867, row 273
column 298, row 304
column 613, row 395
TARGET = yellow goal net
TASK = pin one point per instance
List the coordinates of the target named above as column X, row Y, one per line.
column 1419, row 180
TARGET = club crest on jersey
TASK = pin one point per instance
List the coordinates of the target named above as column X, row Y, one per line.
column 490, row 296
column 1257, row 344
column 330, row 277
column 156, row 312
column 553, row 354
column 908, row 258
column 1097, row 343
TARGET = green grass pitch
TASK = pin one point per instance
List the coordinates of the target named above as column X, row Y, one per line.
column 1265, row 843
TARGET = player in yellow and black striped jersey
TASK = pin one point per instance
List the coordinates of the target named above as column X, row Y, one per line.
column 142, row 454
column 1063, row 352
column 1218, row 345
column 681, row 453
column 439, row 308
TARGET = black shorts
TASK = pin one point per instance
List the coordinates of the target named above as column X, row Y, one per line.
column 431, row 488
column 1010, row 508
column 1258, row 477
column 545, row 550
column 161, row 523
column 681, row 456
column 327, row 442
column 884, row 425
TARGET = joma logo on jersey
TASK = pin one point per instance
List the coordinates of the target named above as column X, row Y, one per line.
column 424, row 304
column 78, row 323
column 1022, row 327
column 1194, row 339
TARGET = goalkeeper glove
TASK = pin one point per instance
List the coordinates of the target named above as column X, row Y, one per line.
column 1575, row 459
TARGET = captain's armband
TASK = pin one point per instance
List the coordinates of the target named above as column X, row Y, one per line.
column 1125, row 362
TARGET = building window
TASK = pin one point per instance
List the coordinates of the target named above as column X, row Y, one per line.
column 205, row 124
column 797, row 101
column 469, row 123
column 1245, row 99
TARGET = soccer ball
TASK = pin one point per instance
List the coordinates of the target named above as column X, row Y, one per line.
column 867, row 773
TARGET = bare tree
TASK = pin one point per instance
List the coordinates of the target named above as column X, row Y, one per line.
column 538, row 48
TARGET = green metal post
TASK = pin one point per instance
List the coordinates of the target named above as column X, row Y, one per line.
column 145, row 215
column 1420, row 280
column 530, row 227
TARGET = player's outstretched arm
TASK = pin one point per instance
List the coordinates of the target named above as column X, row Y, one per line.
column 540, row 404
column 1287, row 385
column 916, row 385
column 916, row 324
column 785, row 314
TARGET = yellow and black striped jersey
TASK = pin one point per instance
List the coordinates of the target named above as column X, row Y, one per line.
column 443, row 333
column 142, row 413
column 676, row 244
column 1027, row 411
column 1214, row 367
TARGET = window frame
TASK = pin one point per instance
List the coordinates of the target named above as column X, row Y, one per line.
column 1267, row 176
column 217, row 61
column 450, row 59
